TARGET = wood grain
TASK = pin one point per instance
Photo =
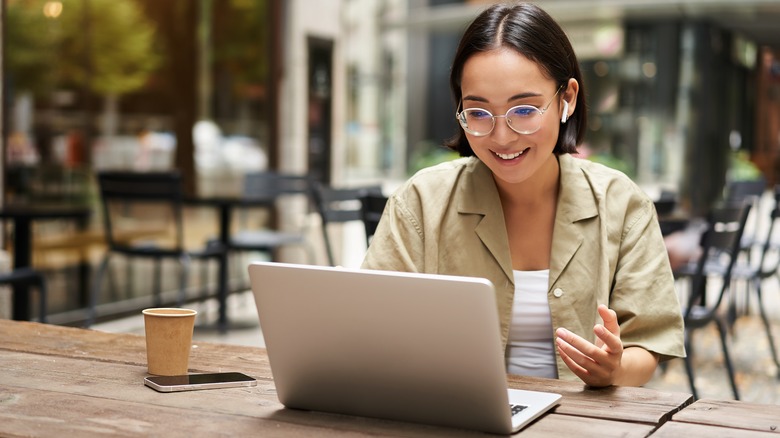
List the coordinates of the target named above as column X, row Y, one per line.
column 56, row 379
column 674, row 429
column 732, row 414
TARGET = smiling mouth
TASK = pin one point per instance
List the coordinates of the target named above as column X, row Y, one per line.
column 510, row 156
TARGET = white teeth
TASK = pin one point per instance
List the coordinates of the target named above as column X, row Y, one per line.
column 510, row 156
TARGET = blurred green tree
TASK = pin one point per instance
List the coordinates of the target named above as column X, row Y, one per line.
column 30, row 37
column 105, row 45
column 109, row 44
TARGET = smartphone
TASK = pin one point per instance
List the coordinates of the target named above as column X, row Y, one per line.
column 191, row 382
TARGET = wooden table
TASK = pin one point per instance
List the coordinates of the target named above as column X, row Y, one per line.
column 69, row 381
column 723, row 419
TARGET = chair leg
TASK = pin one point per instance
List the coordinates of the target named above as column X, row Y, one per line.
column 328, row 247
column 112, row 281
column 129, row 277
column 689, row 365
column 727, row 358
column 95, row 290
column 204, row 278
column 157, row 287
column 767, row 327
column 183, row 277
column 732, row 311
column 42, row 293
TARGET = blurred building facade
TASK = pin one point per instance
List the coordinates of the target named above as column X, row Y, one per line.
column 356, row 91
column 352, row 90
column 676, row 90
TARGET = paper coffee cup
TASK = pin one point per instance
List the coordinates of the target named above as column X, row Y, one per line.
column 168, row 340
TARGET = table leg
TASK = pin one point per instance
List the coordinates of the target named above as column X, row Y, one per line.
column 22, row 259
column 222, row 293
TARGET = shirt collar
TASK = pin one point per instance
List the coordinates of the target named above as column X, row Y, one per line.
column 575, row 202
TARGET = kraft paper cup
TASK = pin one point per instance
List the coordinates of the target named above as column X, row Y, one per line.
column 168, row 340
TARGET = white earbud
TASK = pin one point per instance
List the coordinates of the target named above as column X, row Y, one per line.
column 565, row 112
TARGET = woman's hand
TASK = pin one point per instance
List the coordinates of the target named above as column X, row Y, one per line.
column 606, row 362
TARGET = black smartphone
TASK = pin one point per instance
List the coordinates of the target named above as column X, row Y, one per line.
column 191, row 382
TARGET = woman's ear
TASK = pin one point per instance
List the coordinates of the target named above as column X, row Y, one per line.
column 570, row 99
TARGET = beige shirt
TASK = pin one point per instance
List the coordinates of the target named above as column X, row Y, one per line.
column 607, row 248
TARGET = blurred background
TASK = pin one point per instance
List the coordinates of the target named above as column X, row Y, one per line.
column 684, row 96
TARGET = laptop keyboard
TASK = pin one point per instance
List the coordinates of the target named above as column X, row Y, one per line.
column 516, row 409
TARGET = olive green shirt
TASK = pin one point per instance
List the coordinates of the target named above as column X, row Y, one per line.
column 607, row 248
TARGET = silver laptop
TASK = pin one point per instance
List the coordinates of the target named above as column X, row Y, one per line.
column 412, row 347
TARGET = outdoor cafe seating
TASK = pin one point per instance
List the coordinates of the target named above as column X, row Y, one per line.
column 274, row 189
column 28, row 277
column 339, row 206
column 720, row 247
column 142, row 216
column 373, row 205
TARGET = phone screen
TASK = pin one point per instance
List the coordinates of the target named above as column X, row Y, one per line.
column 191, row 382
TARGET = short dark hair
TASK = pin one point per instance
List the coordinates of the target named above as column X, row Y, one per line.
column 532, row 32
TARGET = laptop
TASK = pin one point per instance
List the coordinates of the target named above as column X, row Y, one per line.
column 401, row 346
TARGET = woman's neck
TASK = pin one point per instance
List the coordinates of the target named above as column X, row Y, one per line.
column 541, row 187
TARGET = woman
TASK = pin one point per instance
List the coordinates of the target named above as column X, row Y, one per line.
column 574, row 249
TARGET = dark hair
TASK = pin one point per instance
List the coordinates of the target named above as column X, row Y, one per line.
column 530, row 31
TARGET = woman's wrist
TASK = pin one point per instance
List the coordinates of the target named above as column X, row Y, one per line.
column 637, row 367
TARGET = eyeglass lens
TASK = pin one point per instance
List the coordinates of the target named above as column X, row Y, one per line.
column 523, row 119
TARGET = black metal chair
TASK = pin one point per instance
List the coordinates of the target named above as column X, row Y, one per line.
column 720, row 248
column 373, row 206
column 749, row 191
column 339, row 205
column 666, row 203
column 142, row 216
column 768, row 266
column 28, row 277
column 275, row 188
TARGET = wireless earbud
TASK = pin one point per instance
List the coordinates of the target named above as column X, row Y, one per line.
column 565, row 112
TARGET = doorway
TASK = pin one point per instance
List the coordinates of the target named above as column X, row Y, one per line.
column 320, row 85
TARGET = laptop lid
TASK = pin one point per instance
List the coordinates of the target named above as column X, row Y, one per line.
column 412, row 347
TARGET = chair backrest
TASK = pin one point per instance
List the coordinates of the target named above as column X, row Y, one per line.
column 770, row 243
column 666, row 203
column 738, row 191
column 339, row 205
column 282, row 194
column 140, row 207
column 270, row 185
column 373, row 205
column 747, row 191
column 720, row 247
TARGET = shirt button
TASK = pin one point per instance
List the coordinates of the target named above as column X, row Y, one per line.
column 558, row 292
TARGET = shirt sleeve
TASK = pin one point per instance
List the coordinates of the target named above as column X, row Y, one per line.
column 397, row 244
column 643, row 292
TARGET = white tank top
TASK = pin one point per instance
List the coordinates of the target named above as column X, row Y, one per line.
column 530, row 350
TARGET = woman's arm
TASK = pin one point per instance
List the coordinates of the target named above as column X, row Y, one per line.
column 606, row 362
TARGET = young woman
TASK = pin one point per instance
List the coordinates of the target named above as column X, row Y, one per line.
column 573, row 248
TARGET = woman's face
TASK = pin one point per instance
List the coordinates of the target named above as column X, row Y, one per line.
column 496, row 81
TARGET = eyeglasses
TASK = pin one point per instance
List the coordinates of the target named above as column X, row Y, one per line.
column 523, row 119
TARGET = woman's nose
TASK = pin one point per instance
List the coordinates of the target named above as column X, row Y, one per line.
column 502, row 133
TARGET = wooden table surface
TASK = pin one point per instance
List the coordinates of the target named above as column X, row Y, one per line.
column 59, row 380
column 723, row 419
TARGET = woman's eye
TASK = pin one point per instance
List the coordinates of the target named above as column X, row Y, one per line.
column 523, row 111
column 478, row 114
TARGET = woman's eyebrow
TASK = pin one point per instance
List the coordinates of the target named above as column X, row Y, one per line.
column 524, row 95
column 475, row 98
column 518, row 96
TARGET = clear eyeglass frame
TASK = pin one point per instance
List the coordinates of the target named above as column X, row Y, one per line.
column 535, row 115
